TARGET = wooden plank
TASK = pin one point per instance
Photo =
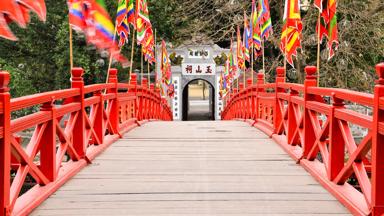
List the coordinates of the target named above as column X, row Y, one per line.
column 193, row 168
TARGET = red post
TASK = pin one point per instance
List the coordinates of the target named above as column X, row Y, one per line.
column 378, row 147
column 241, row 85
column 79, row 127
column 249, row 99
column 240, row 102
column 277, row 115
column 152, row 105
column 99, row 126
column 309, row 133
column 336, row 142
column 260, row 81
column 134, row 83
column 5, row 145
column 114, row 115
column 48, row 144
column 157, row 111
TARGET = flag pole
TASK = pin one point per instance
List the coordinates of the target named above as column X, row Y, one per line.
column 155, row 58
column 245, row 69
column 318, row 49
column 252, row 62
column 142, row 66
column 132, row 53
column 71, row 46
column 262, row 43
column 285, row 59
column 149, row 75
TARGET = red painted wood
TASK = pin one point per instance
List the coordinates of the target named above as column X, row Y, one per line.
column 89, row 120
column 5, row 147
column 378, row 147
column 312, row 125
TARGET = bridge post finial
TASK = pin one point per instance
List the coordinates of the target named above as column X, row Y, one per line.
column 241, row 86
column 280, row 74
column 144, row 83
column 260, row 77
column 79, row 128
column 113, row 76
column 249, row 82
column 311, row 77
column 5, row 145
column 377, row 150
column 134, row 79
column 77, row 75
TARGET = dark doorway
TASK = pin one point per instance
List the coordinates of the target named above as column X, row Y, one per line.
column 198, row 101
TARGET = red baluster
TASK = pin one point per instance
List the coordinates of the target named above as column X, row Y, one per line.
column 260, row 81
column 99, row 125
column 134, row 90
column 309, row 133
column 278, row 116
column 48, row 143
column 378, row 146
column 249, row 99
column 5, row 146
column 79, row 142
column 114, row 103
column 152, row 102
column 336, row 141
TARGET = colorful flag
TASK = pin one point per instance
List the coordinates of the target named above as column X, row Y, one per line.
column 105, row 30
column 131, row 14
column 232, row 66
column 255, row 26
column 76, row 15
column 121, row 12
column 91, row 17
column 292, row 30
column 165, row 64
column 122, row 22
column 142, row 20
column 265, row 19
column 123, row 32
column 240, row 51
column 247, row 38
column 328, row 24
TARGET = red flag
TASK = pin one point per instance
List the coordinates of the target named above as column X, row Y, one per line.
column 5, row 32
column 328, row 23
column 37, row 6
column 12, row 9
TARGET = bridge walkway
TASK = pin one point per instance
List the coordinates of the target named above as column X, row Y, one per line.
column 193, row 168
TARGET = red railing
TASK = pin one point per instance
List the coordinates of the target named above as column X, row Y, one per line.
column 40, row 151
column 313, row 125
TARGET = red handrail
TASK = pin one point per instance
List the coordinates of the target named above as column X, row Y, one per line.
column 69, row 130
column 313, row 125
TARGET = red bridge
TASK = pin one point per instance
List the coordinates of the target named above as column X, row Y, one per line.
column 199, row 168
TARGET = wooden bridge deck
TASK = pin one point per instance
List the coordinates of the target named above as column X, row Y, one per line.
column 193, row 168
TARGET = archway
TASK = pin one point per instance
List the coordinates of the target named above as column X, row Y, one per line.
column 198, row 101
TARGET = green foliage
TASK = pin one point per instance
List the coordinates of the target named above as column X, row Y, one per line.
column 220, row 59
column 175, row 60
